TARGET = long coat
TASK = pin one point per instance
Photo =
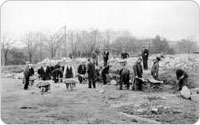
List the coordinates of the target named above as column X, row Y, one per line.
column 145, row 54
column 137, row 68
column 31, row 70
column 91, row 70
column 155, row 70
column 27, row 75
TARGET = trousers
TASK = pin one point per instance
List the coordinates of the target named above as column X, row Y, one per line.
column 91, row 81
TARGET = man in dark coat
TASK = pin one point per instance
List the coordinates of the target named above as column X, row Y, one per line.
column 31, row 70
column 105, row 57
column 145, row 55
column 104, row 72
column 39, row 73
column 137, row 68
column 57, row 72
column 182, row 78
column 27, row 75
column 68, row 71
column 52, row 67
column 81, row 71
column 124, row 55
column 91, row 73
column 155, row 69
column 45, row 72
column 124, row 75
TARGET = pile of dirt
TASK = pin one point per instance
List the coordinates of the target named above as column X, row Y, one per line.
column 187, row 62
column 167, row 67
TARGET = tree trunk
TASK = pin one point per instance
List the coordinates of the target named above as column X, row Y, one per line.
column 6, row 57
column 30, row 57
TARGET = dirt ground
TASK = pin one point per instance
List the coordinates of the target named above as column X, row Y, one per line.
column 103, row 105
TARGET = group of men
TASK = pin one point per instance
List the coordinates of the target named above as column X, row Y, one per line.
column 90, row 67
column 93, row 70
column 138, row 72
column 137, row 68
column 58, row 72
column 48, row 71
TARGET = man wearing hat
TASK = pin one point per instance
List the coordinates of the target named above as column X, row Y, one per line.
column 57, row 72
column 124, row 75
column 69, row 71
column 155, row 68
column 138, row 72
column 27, row 75
column 31, row 69
column 105, row 57
column 91, row 73
column 124, row 55
column 145, row 55
column 45, row 72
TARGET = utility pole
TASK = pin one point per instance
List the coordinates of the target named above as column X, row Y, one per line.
column 65, row 41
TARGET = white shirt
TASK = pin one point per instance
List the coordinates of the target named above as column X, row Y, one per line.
column 45, row 68
column 65, row 70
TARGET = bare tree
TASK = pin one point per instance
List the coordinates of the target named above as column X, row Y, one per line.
column 95, row 40
column 30, row 41
column 41, row 48
column 53, row 42
column 72, row 41
column 6, row 43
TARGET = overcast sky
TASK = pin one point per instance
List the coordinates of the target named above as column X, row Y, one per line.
column 174, row 20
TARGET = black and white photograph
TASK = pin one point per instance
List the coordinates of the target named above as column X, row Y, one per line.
column 100, row 62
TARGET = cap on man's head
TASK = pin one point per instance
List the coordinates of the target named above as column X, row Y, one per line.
column 158, row 58
column 140, row 58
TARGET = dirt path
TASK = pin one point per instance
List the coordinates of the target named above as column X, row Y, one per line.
column 106, row 104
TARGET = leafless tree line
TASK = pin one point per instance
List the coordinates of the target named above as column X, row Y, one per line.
column 64, row 43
